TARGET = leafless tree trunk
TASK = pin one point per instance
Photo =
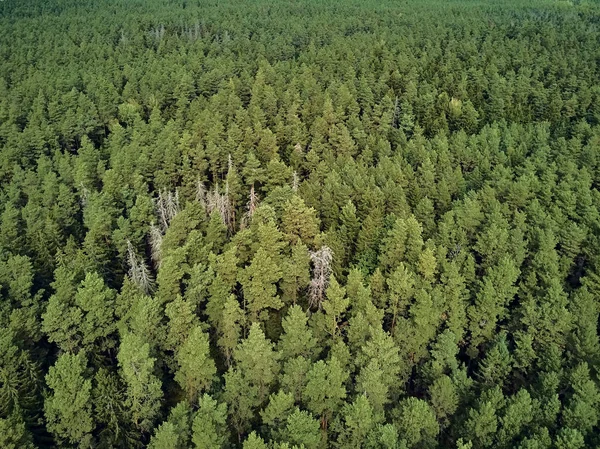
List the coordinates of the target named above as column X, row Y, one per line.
column 84, row 196
column 138, row 271
column 167, row 206
column 201, row 193
column 321, row 260
column 253, row 202
column 155, row 240
column 222, row 204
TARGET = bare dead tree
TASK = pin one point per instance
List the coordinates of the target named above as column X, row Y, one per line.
column 216, row 201
column 172, row 204
column 321, row 260
column 83, row 200
column 161, row 211
column 253, row 202
column 295, row 182
column 167, row 206
column 158, row 32
column 155, row 239
column 201, row 193
column 138, row 271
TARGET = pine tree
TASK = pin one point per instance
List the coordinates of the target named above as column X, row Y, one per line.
column 293, row 379
column 496, row 365
column 110, row 411
column 569, row 439
column 210, row 424
column 254, row 442
column 68, row 409
column 230, row 329
column 297, row 338
column 492, row 300
column 482, row 423
column 249, row 380
column 166, row 436
column 13, row 434
column 295, row 273
column 181, row 322
column 516, row 417
column 61, row 320
column 443, row 398
column 275, row 414
column 302, row 430
column 581, row 411
column 334, row 307
column 371, row 383
column 176, row 431
column 416, row 422
column 96, row 302
column 382, row 348
column 299, row 223
column 259, row 284
column 400, row 283
column 325, row 389
column 196, row 368
column 583, row 341
column 358, row 423
column 143, row 387
column 349, row 228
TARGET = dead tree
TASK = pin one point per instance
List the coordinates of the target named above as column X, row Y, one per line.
column 201, row 193
column 138, row 271
column 155, row 239
column 85, row 193
column 253, row 202
column 321, row 260
column 167, row 206
column 216, row 201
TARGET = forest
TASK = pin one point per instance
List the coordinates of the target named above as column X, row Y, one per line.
column 299, row 224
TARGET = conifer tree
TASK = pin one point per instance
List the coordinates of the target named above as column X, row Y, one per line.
column 302, row 430
column 295, row 274
column 176, row 431
column 249, row 380
column 210, row 424
column 68, row 409
column 325, row 389
column 196, row 367
column 297, row 338
column 143, row 387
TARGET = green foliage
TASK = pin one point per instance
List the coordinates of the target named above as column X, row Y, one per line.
column 259, row 279
column 196, row 368
column 68, row 409
column 325, row 388
column 297, row 338
column 309, row 224
column 417, row 423
column 209, row 427
column 248, row 381
column 143, row 387
column 303, row 430
column 13, row 434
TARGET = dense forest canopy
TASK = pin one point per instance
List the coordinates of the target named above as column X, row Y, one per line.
column 303, row 224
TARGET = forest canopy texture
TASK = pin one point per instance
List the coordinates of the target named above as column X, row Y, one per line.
column 301, row 224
